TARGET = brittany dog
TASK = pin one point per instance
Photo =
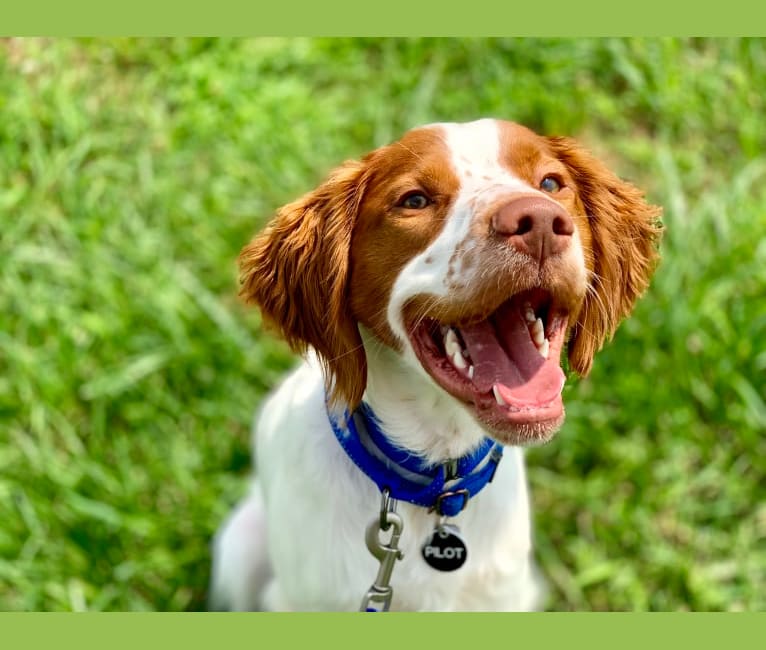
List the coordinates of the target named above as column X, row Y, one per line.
column 434, row 287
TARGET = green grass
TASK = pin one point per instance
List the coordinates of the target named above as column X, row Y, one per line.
column 131, row 173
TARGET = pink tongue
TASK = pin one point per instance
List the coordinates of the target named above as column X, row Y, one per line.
column 524, row 378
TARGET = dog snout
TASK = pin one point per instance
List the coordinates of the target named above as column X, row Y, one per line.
column 534, row 226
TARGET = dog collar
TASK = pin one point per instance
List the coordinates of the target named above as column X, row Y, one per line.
column 443, row 487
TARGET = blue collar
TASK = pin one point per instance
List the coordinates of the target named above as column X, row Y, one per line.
column 445, row 487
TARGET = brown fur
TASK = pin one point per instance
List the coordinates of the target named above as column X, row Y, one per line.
column 297, row 271
column 388, row 237
column 625, row 232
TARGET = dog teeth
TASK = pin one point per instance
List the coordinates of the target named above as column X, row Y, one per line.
column 537, row 331
column 455, row 353
column 458, row 361
column 451, row 344
column 498, row 398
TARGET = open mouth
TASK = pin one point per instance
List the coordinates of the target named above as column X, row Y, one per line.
column 504, row 366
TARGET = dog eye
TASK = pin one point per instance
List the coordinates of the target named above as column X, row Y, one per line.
column 550, row 184
column 415, row 201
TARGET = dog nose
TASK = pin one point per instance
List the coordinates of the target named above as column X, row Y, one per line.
column 535, row 226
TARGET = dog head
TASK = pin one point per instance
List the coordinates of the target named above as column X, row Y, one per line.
column 480, row 252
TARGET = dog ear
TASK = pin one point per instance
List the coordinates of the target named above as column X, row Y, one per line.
column 625, row 232
column 297, row 272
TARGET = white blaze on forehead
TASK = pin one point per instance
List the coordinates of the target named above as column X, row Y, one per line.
column 475, row 147
column 475, row 158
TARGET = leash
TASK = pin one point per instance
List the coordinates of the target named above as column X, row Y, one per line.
column 387, row 554
column 442, row 488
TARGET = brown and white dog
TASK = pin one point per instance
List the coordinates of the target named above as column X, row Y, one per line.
column 439, row 279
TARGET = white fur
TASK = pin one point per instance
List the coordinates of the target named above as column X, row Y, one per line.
column 316, row 506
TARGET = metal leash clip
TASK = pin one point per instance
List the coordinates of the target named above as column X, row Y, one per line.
column 381, row 592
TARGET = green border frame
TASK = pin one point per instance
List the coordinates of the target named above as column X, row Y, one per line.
column 390, row 18
column 594, row 631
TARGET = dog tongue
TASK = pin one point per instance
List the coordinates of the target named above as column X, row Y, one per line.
column 502, row 353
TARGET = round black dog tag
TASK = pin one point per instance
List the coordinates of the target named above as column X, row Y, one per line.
column 445, row 550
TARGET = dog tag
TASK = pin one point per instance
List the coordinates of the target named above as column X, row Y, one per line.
column 445, row 550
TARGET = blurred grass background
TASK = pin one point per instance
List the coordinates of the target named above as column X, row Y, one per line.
column 132, row 172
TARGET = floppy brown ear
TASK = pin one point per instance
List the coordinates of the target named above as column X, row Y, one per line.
column 625, row 235
column 297, row 271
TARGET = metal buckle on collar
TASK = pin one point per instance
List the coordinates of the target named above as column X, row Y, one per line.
column 463, row 493
column 495, row 456
column 450, row 470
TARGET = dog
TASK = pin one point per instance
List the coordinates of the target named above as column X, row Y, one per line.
column 433, row 287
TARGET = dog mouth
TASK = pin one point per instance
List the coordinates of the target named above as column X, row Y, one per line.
column 504, row 366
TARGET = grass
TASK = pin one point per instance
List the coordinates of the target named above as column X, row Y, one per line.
column 131, row 173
